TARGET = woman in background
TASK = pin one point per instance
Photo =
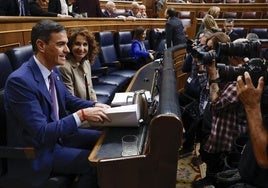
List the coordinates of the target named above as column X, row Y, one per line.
column 138, row 50
column 76, row 73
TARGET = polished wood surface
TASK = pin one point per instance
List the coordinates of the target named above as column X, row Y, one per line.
column 195, row 9
column 156, row 165
column 15, row 31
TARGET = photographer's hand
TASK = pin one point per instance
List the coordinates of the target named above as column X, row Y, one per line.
column 251, row 99
column 213, row 75
column 248, row 94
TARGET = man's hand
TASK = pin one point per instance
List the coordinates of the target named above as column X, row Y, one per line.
column 247, row 93
column 95, row 114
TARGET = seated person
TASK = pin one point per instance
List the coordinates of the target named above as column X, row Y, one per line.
column 24, row 8
column 76, row 72
column 60, row 7
column 134, row 11
column 228, row 29
column 143, row 13
column 110, row 11
column 88, row 8
column 47, row 117
column 138, row 50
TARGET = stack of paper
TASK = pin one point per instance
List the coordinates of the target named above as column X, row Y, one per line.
column 122, row 116
column 126, row 98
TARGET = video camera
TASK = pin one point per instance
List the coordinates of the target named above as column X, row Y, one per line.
column 256, row 68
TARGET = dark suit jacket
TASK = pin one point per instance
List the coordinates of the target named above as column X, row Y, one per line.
column 233, row 36
column 91, row 7
column 55, row 6
column 32, row 8
column 174, row 32
column 31, row 121
column 106, row 14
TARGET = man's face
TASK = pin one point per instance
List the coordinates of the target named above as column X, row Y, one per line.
column 228, row 27
column 55, row 51
column 136, row 10
column 112, row 8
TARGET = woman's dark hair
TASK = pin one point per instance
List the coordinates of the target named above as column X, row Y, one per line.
column 138, row 32
column 93, row 48
column 42, row 31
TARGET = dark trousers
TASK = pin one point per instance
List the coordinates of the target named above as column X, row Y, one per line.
column 71, row 157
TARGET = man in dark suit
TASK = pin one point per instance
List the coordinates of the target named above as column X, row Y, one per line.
column 174, row 29
column 228, row 29
column 90, row 7
column 30, row 8
column 49, row 124
column 60, row 8
column 110, row 9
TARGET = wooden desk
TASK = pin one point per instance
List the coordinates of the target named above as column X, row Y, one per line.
column 159, row 142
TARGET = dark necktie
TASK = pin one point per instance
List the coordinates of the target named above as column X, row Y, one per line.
column 86, row 84
column 22, row 8
column 53, row 94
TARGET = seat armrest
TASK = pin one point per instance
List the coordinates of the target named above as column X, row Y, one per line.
column 127, row 60
column 17, row 152
column 95, row 79
column 116, row 64
column 101, row 70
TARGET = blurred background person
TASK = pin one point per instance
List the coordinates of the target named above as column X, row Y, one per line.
column 25, row 8
column 60, row 7
column 76, row 72
column 138, row 50
column 228, row 29
column 214, row 13
column 88, row 8
column 110, row 11
column 143, row 13
column 174, row 29
column 134, row 10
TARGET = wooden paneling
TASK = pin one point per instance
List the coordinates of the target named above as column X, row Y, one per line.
column 16, row 31
column 196, row 9
column 181, row 77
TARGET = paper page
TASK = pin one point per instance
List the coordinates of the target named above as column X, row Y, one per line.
column 122, row 116
column 126, row 98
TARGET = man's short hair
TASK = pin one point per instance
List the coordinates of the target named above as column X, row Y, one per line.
column 42, row 31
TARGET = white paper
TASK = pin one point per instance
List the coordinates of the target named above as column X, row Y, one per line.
column 126, row 98
column 122, row 116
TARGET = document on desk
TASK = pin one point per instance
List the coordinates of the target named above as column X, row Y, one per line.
column 122, row 116
column 126, row 98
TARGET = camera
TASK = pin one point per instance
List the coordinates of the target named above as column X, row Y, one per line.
column 255, row 67
column 201, row 52
column 250, row 49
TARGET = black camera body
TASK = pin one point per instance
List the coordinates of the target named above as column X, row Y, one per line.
column 201, row 52
column 256, row 68
column 250, row 49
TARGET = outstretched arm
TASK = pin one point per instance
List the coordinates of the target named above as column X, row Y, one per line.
column 251, row 99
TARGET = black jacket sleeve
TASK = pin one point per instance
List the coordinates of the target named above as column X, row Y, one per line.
column 36, row 10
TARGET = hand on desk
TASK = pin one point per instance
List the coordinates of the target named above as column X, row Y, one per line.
column 95, row 114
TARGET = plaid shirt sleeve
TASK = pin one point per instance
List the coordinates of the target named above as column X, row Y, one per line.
column 227, row 97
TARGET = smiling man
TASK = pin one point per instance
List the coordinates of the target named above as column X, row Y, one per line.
column 49, row 124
